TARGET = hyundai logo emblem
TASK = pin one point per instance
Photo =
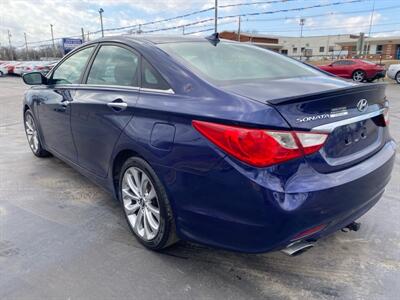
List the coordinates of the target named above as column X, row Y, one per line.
column 362, row 105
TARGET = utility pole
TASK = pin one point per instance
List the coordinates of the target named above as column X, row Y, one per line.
column 26, row 46
column 101, row 21
column 83, row 35
column 88, row 36
column 239, row 28
column 183, row 29
column 9, row 42
column 302, row 22
column 216, row 17
column 139, row 31
column 52, row 38
column 371, row 20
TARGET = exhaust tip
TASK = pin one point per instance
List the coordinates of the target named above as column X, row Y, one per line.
column 297, row 248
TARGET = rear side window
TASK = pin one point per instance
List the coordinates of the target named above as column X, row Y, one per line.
column 114, row 65
column 151, row 79
column 70, row 70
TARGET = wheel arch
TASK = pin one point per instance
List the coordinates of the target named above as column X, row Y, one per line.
column 117, row 164
column 358, row 69
column 397, row 74
column 26, row 107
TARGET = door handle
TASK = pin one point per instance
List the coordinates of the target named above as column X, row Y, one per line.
column 117, row 105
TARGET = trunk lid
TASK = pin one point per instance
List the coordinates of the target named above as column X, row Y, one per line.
column 351, row 114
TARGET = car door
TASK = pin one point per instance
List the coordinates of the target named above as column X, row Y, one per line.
column 349, row 68
column 103, row 104
column 54, row 107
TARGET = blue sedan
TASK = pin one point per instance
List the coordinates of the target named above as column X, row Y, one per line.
column 217, row 142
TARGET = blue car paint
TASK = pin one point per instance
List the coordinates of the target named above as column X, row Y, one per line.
column 216, row 199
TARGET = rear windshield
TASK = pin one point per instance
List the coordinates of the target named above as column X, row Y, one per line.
column 231, row 62
column 368, row 62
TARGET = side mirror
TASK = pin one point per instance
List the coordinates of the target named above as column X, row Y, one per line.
column 34, row 78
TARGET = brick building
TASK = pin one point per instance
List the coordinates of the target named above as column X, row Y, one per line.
column 268, row 42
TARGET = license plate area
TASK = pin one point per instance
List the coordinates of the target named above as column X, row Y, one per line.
column 353, row 141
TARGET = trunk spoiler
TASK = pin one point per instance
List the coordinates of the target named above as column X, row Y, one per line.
column 329, row 93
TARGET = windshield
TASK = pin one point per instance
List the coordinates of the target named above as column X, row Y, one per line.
column 230, row 62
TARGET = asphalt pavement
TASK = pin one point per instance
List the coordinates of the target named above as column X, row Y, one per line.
column 62, row 237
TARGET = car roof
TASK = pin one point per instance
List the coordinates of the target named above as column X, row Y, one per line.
column 152, row 38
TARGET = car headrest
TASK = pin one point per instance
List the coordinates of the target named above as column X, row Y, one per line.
column 125, row 73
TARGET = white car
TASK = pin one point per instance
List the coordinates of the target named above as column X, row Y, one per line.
column 19, row 68
column 3, row 70
column 394, row 72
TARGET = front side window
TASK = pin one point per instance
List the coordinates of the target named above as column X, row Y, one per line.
column 70, row 70
column 228, row 62
column 114, row 65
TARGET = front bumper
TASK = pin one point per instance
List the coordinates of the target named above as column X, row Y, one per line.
column 255, row 211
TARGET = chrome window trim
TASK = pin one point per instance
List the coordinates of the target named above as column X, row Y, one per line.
column 112, row 87
column 98, row 87
column 108, row 87
column 331, row 126
column 169, row 91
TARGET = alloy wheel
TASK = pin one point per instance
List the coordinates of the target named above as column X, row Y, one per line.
column 141, row 204
column 31, row 133
column 358, row 76
column 398, row 77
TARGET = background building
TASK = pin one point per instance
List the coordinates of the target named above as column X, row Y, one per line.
column 324, row 46
column 264, row 41
column 316, row 47
column 374, row 47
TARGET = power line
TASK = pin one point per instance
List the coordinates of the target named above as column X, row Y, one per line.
column 255, row 3
column 322, row 15
column 293, row 9
column 159, row 21
column 259, row 13
column 295, row 18
column 195, row 13
column 312, row 28
column 221, row 17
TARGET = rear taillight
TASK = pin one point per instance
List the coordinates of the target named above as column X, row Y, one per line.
column 260, row 147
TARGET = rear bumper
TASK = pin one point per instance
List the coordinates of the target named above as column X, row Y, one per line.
column 377, row 75
column 242, row 209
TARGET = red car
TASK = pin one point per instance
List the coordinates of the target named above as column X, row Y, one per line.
column 357, row 69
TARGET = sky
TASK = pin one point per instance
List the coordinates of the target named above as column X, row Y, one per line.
column 34, row 17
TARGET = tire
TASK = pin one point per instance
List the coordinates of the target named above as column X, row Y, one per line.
column 32, row 135
column 358, row 76
column 397, row 77
column 140, row 203
column 1, row 74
